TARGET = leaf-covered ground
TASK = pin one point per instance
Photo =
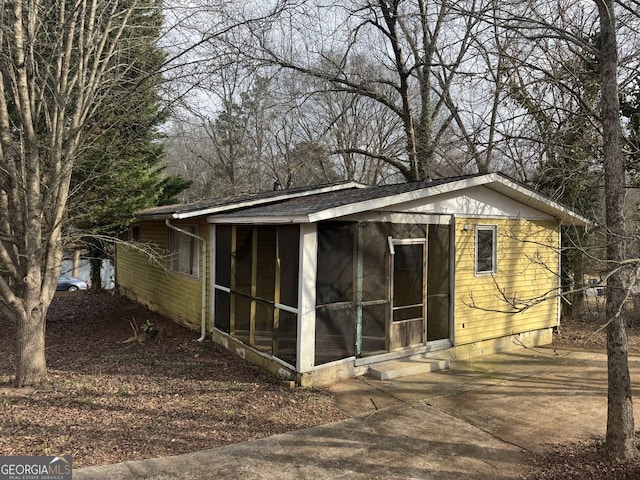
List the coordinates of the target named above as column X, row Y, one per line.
column 584, row 460
column 111, row 400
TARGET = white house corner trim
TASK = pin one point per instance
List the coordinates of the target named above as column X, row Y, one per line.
column 212, row 277
column 559, row 278
column 307, row 301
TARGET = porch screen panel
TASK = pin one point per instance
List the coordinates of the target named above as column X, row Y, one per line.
column 241, row 321
column 266, row 263
column 335, row 311
column 375, row 250
column 222, row 277
column 373, row 328
column 259, row 265
column 375, row 286
column 222, row 310
column 408, row 230
column 438, row 282
column 335, row 333
column 335, row 263
column 263, row 326
column 289, row 253
column 243, row 259
column 223, row 255
column 286, row 322
column 285, row 345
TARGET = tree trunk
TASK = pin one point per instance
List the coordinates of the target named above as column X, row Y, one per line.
column 96, row 278
column 620, row 441
column 578, row 277
column 76, row 262
column 31, row 365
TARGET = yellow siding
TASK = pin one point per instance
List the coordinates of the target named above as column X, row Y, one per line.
column 527, row 270
column 174, row 295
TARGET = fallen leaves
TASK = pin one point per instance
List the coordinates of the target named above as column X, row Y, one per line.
column 111, row 401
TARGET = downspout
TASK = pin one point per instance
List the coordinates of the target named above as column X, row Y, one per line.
column 203, row 278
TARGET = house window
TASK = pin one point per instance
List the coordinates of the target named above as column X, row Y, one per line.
column 486, row 249
column 183, row 250
column 134, row 233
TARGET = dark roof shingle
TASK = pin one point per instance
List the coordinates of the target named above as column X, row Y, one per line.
column 323, row 201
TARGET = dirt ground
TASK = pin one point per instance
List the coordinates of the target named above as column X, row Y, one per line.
column 581, row 461
column 112, row 399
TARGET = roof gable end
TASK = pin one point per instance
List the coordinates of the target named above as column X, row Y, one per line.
column 494, row 181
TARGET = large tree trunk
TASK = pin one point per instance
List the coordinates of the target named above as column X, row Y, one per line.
column 31, row 365
column 620, row 442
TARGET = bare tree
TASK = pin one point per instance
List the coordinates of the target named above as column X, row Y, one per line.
column 621, row 443
column 425, row 52
column 58, row 62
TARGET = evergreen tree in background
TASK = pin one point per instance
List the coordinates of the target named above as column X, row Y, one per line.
column 121, row 171
column 572, row 170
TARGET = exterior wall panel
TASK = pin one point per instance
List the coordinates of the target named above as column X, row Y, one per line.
column 488, row 305
column 172, row 294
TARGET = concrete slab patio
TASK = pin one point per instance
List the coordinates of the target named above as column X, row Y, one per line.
column 480, row 419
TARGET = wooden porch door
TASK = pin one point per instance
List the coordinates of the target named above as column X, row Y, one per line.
column 407, row 294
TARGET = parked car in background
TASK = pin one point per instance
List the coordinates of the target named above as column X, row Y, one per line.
column 595, row 289
column 71, row 284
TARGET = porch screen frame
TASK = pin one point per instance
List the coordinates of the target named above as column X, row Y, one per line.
column 392, row 252
column 217, row 288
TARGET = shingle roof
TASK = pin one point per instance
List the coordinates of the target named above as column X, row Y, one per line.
column 332, row 201
column 204, row 207
column 324, row 201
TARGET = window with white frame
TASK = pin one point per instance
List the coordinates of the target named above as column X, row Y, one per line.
column 182, row 251
column 486, row 249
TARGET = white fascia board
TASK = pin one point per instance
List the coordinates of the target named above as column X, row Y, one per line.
column 260, row 220
column 537, row 201
column 159, row 216
column 253, row 203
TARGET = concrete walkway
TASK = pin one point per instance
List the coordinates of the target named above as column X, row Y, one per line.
column 480, row 419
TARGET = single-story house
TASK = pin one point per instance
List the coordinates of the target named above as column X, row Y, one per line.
column 322, row 283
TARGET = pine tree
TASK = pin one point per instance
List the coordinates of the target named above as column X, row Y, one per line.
column 121, row 172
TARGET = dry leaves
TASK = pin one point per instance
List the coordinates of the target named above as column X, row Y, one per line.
column 111, row 401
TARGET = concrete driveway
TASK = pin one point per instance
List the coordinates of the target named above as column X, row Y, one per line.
column 480, row 419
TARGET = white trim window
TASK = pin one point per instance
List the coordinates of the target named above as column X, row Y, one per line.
column 182, row 251
column 486, row 249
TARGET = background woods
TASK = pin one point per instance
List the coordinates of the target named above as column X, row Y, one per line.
column 107, row 107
